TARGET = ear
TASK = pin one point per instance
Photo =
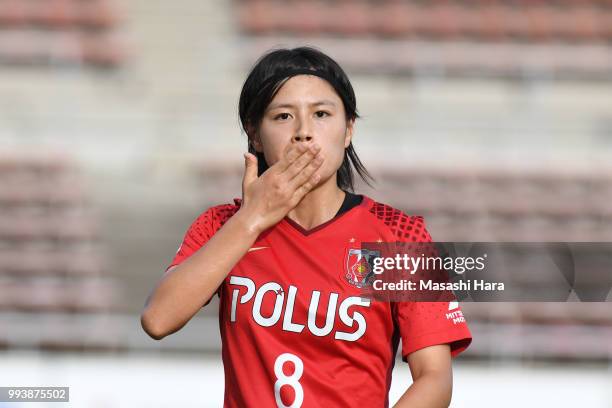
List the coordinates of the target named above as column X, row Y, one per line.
column 256, row 143
column 255, row 140
column 348, row 135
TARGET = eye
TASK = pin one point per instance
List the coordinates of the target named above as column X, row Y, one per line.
column 280, row 114
column 326, row 114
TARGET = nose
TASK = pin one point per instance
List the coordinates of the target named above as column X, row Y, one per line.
column 303, row 132
column 302, row 138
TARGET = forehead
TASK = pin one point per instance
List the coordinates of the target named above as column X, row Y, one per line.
column 304, row 85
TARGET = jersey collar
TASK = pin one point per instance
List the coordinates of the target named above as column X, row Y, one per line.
column 288, row 223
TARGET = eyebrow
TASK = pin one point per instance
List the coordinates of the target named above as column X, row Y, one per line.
column 288, row 105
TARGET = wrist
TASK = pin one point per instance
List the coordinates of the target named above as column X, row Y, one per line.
column 248, row 223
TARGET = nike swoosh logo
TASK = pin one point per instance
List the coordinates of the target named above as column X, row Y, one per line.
column 256, row 249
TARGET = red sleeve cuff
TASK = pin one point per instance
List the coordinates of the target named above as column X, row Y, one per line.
column 459, row 340
column 170, row 266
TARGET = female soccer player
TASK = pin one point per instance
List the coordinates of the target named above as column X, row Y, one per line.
column 295, row 331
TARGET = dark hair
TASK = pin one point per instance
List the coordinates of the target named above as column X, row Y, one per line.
column 254, row 99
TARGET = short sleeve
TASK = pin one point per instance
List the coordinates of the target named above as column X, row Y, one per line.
column 198, row 233
column 423, row 324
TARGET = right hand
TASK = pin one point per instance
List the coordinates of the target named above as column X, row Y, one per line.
column 268, row 199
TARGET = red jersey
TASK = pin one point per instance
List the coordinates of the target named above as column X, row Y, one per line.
column 296, row 332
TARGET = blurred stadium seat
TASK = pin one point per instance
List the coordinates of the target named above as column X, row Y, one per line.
column 493, row 37
column 507, row 205
column 474, row 203
column 550, row 20
column 64, row 32
column 51, row 258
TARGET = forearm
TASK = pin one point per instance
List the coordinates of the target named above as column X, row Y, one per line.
column 183, row 290
column 431, row 390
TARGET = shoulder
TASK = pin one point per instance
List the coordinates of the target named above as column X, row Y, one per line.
column 410, row 227
column 215, row 216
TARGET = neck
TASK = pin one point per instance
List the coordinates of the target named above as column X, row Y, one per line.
column 318, row 206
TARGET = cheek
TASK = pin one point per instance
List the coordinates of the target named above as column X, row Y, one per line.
column 273, row 148
column 333, row 159
column 272, row 155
